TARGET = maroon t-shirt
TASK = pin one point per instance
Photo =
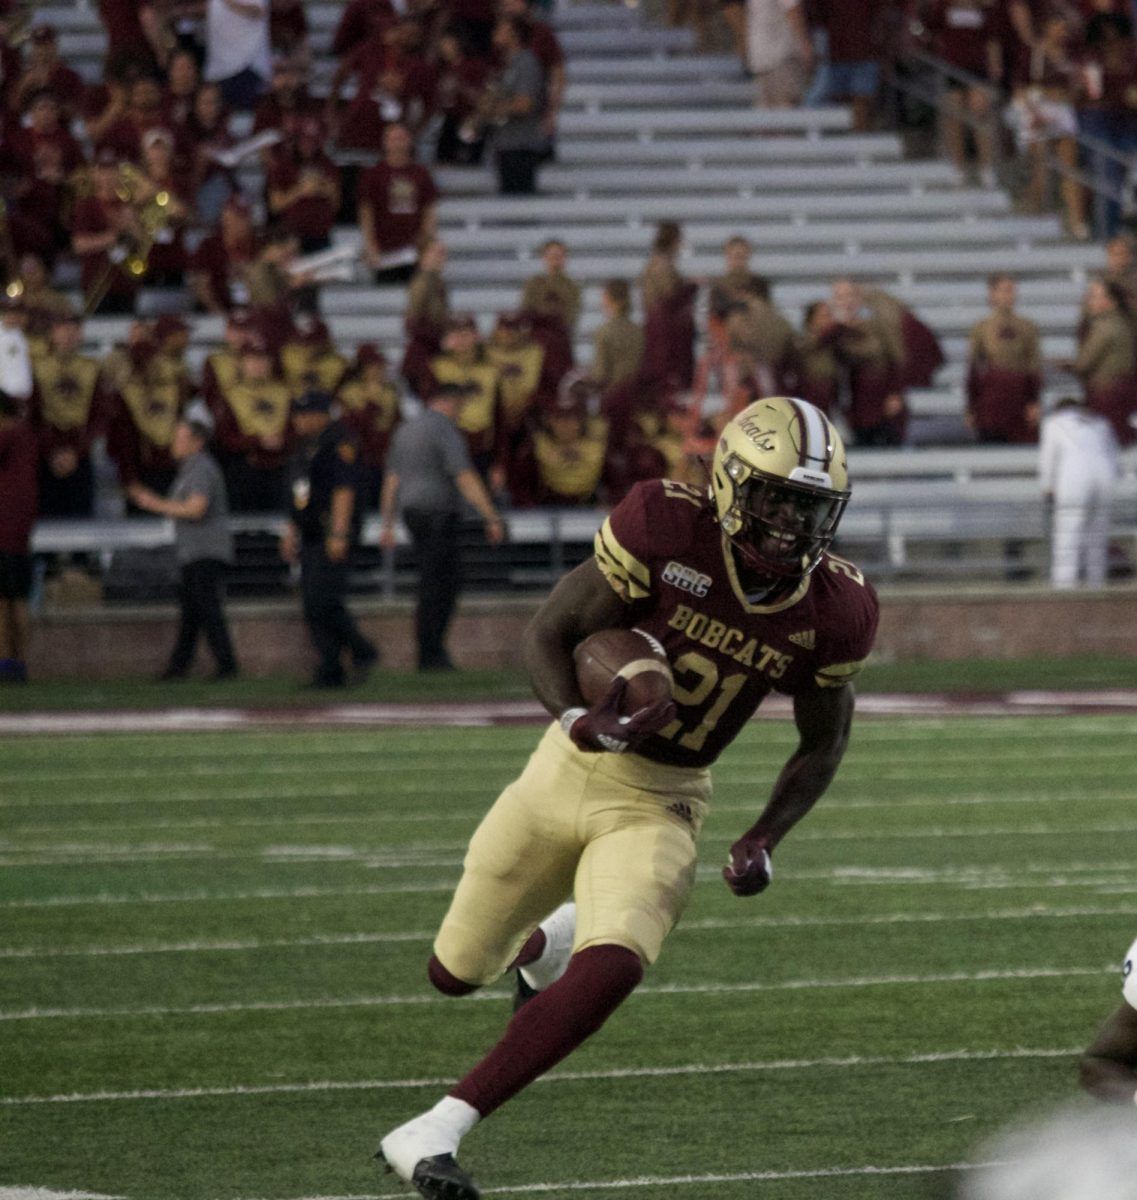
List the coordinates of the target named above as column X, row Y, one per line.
column 662, row 550
column 399, row 197
column 459, row 85
column 851, row 25
column 124, row 30
column 214, row 260
column 271, row 113
column 19, row 485
column 92, row 215
column 545, row 46
column 963, row 29
column 312, row 216
column 361, row 19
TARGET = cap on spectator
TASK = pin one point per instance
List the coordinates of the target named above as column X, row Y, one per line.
column 462, row 321
column 44, row 33
column 157, row 134
column 511, row 320
column 255, row 344
column 107, row 156
column 200, row 419
column 313, row 402
column 576, row 394
column 168, row 324
column 367, row 354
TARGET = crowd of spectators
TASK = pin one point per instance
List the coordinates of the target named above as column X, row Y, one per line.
column 148, row 193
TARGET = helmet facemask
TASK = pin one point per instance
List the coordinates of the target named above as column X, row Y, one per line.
column 779, row 528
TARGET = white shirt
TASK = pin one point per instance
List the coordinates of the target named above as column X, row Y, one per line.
column 770, row 37
column 1077, row 452
column 1129, row 977
column 234, row 41
column 15, row 363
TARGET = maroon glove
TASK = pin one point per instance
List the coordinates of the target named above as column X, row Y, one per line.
column 750, row 869
column 602, row 728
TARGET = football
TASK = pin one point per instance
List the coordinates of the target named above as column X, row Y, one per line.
column 630, row 653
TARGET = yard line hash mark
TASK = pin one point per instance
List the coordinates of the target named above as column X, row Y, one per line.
column 845, row 1062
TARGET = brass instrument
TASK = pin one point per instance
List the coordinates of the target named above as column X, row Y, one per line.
column 131, row 252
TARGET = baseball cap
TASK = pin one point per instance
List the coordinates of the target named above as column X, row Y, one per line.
column 462, row 321
column 368, row 354
column 44, row 33
column 255, row 344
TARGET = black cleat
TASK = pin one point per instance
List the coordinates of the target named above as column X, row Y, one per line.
column 440, row 1178
column 524, row 993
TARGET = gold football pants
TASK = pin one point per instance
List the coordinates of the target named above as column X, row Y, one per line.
column 615, row 831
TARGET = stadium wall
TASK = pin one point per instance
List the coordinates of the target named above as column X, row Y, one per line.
column 99, row 642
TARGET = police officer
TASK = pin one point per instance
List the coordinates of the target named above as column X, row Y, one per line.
column 325, row 521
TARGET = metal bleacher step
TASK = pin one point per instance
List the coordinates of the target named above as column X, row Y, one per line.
column 966, row 203
column 639, row 149
column 630, row 182
column 708, row 237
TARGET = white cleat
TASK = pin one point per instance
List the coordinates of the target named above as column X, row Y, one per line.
column 421, row 1152
column 560, row 930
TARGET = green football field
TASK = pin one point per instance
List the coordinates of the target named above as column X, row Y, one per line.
column 213, row 966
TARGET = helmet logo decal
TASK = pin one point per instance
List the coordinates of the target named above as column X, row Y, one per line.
column 762, row 438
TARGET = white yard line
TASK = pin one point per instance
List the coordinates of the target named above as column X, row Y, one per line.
column 709, row 924
column 1106, row 875
column 673, row 1181
column 483, row 795
column 848, row 1062
column 1022, row 703
column 732, row 764
column 42, row 1193
column 379, row 857
column 496, row 996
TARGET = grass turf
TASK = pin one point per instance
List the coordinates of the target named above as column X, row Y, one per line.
column 235, row 926
column 994, row 675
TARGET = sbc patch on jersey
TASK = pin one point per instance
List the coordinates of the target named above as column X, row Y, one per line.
column 1129, row 977
column 686, row 579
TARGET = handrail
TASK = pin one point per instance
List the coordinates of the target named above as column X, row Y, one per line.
column 1099, row 153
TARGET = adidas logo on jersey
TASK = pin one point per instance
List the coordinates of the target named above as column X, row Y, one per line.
column 686, row 579
column 806, row 640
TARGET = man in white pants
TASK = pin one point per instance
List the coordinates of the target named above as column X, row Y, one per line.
column 1078, row 462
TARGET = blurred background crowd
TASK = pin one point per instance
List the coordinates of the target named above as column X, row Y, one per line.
column 134, row 180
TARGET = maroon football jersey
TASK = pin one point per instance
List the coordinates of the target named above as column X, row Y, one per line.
column 662, row 550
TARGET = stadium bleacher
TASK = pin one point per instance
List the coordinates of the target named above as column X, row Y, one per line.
column 651, row 131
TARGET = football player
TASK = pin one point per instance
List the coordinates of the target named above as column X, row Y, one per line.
column 1109, row 1066
column 736, row 582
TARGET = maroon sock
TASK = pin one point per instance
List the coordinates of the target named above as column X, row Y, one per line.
column 553, row 1024
column 447, row 984
column 532, row 950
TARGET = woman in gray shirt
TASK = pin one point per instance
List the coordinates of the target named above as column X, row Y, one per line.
column 199, row 507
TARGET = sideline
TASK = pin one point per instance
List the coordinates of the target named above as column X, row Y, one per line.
column 528, row 712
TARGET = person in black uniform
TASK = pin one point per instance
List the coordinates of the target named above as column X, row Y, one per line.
column 325, row 518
